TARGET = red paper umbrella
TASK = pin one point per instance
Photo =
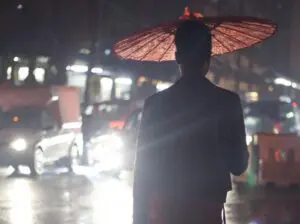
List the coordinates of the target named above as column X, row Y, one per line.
column 228, row 34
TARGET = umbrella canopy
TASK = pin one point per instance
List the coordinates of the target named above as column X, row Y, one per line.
column 228, row 34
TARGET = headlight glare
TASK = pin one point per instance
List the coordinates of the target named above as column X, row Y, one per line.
column 111, row 142
column 19, row 144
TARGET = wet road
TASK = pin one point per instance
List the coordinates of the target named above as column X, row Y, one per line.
column 85, row 198
column 90, row 198
column 269, row 205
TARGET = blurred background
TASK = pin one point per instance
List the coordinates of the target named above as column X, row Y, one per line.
column 67, row 101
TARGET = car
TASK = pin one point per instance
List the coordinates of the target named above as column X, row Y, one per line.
column 30, row 136
column 114, row 150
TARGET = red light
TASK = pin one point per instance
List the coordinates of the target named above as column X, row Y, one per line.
column 278, row 156
column 116, row 124
column 277, row 128
column 294, row 104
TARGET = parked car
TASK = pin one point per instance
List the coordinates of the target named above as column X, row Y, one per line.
column 39, row 127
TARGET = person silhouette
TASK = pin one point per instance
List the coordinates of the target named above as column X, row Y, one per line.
column 191, row 138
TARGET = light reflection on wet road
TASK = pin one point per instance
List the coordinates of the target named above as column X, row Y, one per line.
column 89, row 198
column 64, row 198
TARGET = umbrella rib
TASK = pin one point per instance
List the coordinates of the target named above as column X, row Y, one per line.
column 260, row 27
column 169, row 47
column 147, row 42
column 239, row 31
column 157, row 45
column 220, row 42
column 133, row 42
column 230, row 37
column 254, row 28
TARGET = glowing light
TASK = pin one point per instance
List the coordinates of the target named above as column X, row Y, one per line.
column 107, row 52
column 84, row 51
column 15, row 119
column 294, row 104
column 162, row 86
column 9, row 71
column 249, row 139
column 286, row 99
column 39, row 74
column 116, row 124
column 54, row 98
column 89, row 110
column 290, row 115
column 78, row 68
column 252, row 96
column 97, row 70
column 19, row 7
column 16, row 59
column 22, row 199
column 23, row 73
column 282, row 81
column 277, row 128
column 19, row 144
column 123, row 81
column 111, row 141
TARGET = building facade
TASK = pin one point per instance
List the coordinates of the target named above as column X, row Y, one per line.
column 253, row 70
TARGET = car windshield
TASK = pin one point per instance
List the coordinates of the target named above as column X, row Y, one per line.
column 21, row 118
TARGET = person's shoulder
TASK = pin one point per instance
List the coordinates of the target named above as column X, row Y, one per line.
column 153, row 99
column 156, row 97
column 227, row 95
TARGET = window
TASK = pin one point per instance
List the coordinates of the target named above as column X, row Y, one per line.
column 47, row 120
column 123, row 88
column 106, row 86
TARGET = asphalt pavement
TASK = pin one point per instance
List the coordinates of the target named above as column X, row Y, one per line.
column 88, row 197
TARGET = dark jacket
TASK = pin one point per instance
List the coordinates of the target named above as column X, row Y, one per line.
column 192, row 136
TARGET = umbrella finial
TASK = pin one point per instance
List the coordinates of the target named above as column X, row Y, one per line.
column 187, row 12
column 188, row 15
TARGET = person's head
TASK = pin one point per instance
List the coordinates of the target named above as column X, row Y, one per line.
column 193, row 47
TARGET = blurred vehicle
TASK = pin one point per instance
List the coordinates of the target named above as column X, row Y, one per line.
column 108, row 113
column 114, row 150
column 271, row 126
column 39, row 126
column 271, row 116
column 274, row 159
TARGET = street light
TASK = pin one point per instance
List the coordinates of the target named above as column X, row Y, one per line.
column 97, row 70
column 78, row 68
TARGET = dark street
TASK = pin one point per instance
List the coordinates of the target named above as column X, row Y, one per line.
column 88, row 198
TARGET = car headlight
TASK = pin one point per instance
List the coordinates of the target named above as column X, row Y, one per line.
column 19, row 144
column 110, row 142
column 117, row 141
